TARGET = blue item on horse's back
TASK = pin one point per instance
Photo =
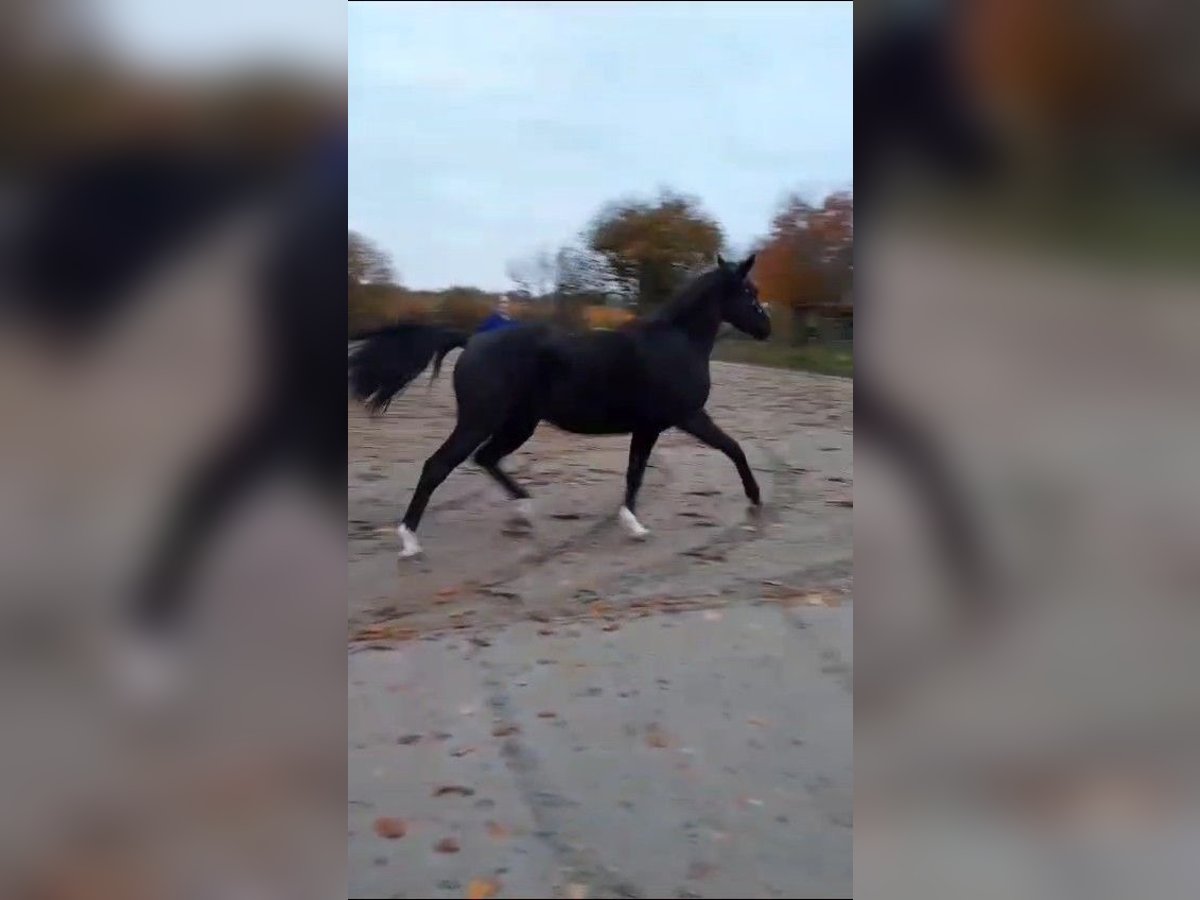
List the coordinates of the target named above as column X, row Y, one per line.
column 494, row 321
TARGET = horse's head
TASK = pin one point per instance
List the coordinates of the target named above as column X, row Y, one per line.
column 738, row 298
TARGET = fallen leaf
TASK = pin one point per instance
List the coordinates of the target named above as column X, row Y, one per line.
column 482, row 888
column 749, row 801
column 447, row 845
column 389, row 828
column 408, row 739
column 385, row 633
column 577, row 891
column 462, row 751
column 480, row 642
column 545, row 632
column 547, row 714
column 448, row 592
column 497, row 832
column 655, row 737
column 599, row 608
column 841, row 501
column 505, row 729
column 460, row 790
column 754, row 720
column 611, row 626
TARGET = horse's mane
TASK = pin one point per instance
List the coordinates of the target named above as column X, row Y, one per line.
column 683, row 301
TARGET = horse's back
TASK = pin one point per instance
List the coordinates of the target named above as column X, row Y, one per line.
column 499, row 370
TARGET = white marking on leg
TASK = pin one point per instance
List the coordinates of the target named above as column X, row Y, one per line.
column 632, row 525
column 523, row 510
column 409, row 546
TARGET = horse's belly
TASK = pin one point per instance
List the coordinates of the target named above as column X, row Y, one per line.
column 590, row 422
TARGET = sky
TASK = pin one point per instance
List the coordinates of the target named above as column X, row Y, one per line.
column 206, row 34
column 479, row 133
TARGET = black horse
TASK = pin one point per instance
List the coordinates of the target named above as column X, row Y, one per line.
column 641, row 380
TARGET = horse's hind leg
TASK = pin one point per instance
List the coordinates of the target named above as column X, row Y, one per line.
column 453, row 453
column 510, row 436
column 640, row 446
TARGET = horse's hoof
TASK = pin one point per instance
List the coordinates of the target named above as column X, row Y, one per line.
column 521, row 520
column 523, row 511
column 754, row 510
column 632, row 525
column 409, row 545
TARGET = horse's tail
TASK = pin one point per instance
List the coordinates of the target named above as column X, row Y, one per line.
column 389, row 359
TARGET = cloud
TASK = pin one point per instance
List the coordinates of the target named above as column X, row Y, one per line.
column 479, row 132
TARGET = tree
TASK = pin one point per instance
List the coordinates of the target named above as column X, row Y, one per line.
column 367, row 263
column 651, row 247
column 373, row 299
column 806, row 261
column 581, row 273
column 534, row 274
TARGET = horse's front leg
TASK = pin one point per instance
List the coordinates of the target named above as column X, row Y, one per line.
column 639, row 455
column 705, row 430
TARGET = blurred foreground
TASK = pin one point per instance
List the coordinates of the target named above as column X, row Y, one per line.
column 1029, row 259
column 146, row 181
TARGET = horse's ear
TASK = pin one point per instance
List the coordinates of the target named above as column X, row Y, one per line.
column 720, row 261
column 746, row 265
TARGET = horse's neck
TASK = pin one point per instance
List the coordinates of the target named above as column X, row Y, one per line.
column 699, row 322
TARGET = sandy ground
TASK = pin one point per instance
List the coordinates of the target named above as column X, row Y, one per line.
column 794, row 427
column 574, row 714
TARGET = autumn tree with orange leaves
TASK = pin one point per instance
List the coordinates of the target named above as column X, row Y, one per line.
column 805, row 263
column 651, row 248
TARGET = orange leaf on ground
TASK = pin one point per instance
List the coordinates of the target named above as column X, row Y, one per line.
column 497, row 832
column 385, row 633
column 389, row 828
column 547, row 714
column 482, row 888
column 505, row 729
column 447, row 845
column 656, row 737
